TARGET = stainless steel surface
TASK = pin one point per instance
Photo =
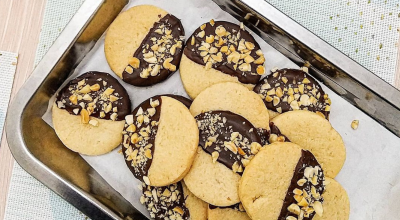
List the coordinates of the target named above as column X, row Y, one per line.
column 37, row 149
column 343, row 75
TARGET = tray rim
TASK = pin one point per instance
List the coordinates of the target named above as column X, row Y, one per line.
column 70, row 34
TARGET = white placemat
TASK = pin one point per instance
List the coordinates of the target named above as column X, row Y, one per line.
column 344, row 24
column 8, row 65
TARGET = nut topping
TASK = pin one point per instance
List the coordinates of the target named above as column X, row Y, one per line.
column 228, row 48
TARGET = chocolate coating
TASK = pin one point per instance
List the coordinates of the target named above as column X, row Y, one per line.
column 99, row 100
column 307, row 159
column 237, row 207
column 219, row 125
column 294, row 80
column 169, row 201
column 194, row 53
column 138, row 163
column 154, row 36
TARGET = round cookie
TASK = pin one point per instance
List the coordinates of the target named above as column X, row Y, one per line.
column 89, row 111
column 314, row 133
column 160, row 141
column 144, row 45
column 336, row 202
column 219, row 52
column 235, row 98
column 227, row 143
column 285, row 180
column 235, row 212
column 291, row 89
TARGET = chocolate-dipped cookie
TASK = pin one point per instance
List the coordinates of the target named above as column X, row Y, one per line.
column 144, row 45
column 174, row 201
column 227, row 144
column 166, row 202
column 235, row 212
column 235, row 98
column 285, row 180
column 314, row 133
column 88, row 114
column 291, row 89
column 220, row 51
column 160, row 139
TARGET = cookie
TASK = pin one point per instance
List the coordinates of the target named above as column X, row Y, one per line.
column 218, row 52
column 160, row 141
column 336, row 202
column 314, row 133
column 197, row 207
column 172, row 202
column 235, row 98
column 285, row 180
column 290, row 89
column 167, row 202
column 88, row 114
column 235, row 212
column 144, row 45
column 227, row 143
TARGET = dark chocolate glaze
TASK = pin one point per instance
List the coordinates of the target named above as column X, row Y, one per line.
column 224, row 123
column 236, row 207
column 193, row 53
column 294, row 79
column 172, row 23
column 164, row 204
column 264, row 135
column 141, row 169
column 307, row 159
column 105, row 81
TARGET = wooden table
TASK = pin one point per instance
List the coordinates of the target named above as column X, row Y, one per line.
column 20, row 23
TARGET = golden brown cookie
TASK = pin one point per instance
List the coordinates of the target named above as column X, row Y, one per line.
column 235, row 212
column 144, row 45
column 336, row 202
column 197, row 207
column 89, row 111
column 314, row 133
column 220, row 51
column 285, row 180
column 235, row 98
column 291, row 89
column 160, row 141
column 227, row 143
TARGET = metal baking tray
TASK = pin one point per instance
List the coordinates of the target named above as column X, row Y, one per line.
column 38, row 150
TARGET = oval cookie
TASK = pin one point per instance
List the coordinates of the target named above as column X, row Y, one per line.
column 336, row 202
column 220, row 52
column 285, row 180
column 144, row 45
column 160, row 141
column 290, row 89
column 89, row 111
column 314, row 133
column 235, row 212
column 227, row 143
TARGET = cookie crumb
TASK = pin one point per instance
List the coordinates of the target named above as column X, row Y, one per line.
column 354, row 124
